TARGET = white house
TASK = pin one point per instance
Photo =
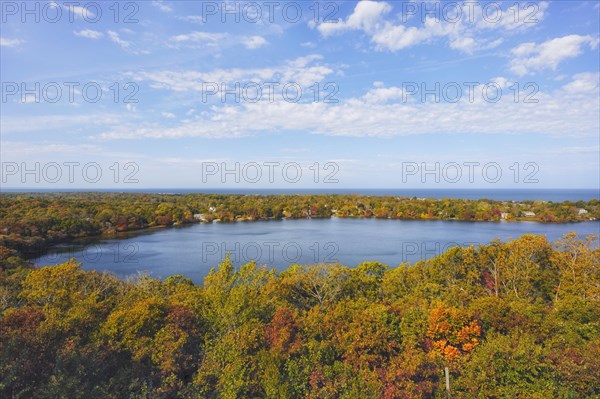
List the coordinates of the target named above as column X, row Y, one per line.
column 200, row 216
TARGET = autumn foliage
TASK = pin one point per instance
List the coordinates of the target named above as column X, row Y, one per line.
column 515, row 319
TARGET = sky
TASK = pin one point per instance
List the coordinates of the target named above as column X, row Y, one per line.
column 300, row 94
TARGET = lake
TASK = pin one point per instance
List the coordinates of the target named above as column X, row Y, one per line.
column 193, row 250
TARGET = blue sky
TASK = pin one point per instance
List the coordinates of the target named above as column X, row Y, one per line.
column 353, row 96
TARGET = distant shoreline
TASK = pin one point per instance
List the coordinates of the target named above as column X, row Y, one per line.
column 497, row 194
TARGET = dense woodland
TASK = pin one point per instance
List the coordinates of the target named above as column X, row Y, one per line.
column 519, row 319
column 31, row 222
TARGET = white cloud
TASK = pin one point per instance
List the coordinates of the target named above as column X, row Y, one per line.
column 254, row 42
column 383, row 94
column 396, row 37
column 375, row 114
column 168, row 115
column 200, row 39
column 78, row 11
column 114, row 37
column 197, row 39
column 197, row 36
column 88, row 33
column 584, row 83
column 30, row 98
column 501, row 81
column 162, row 6
column 199, row 19
column 366, row 16
column 465, row 34
column 4, row 42
column 513, row 18
column 304, row 71
column 531, row 57
column 464, row 44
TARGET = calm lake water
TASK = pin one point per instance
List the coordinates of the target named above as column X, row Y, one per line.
column 193, row 250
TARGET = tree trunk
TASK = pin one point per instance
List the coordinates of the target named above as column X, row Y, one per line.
column 447, row 373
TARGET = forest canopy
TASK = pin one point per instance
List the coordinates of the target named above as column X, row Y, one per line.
column 516, row 319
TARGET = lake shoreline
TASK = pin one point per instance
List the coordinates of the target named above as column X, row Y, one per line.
column 31, row 224
column 135, row 232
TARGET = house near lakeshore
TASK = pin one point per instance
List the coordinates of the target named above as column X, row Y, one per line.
column 200, row 216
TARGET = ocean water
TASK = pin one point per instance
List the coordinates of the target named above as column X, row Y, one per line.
column 503, row 194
